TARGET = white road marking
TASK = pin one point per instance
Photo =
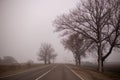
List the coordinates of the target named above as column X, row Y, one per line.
column 45, row 73
column 23, row 72
column 75, row 73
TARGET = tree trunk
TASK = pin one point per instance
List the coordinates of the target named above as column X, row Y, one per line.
column 100, row 65
column 100, row 60
column 45, row 61
column 76, row 61
column 79, row 60
column 49, row 62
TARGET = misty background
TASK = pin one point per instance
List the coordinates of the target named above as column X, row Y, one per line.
column 25, row 24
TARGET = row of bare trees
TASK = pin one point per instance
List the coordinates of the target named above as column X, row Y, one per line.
column 95, row 23
column 47, row 53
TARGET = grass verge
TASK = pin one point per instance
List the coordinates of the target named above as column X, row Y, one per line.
column 13, row 69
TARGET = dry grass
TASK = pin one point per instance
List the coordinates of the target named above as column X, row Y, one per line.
column 12, row 69
column 89, row 73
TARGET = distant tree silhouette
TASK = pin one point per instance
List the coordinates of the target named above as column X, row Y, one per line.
column 54, row 57
column 30, row 63
column 78, row 45
column 46, row 53
column 8, row 60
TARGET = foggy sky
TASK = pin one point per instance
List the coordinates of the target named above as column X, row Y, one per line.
column 25, row 24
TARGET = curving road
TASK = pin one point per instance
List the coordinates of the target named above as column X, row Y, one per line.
column 52, row 72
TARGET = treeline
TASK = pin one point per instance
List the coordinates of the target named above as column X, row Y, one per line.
column 8, row 60
column 11, row 61
column 92, row 27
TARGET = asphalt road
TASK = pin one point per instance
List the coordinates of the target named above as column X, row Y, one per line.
column 52, row 72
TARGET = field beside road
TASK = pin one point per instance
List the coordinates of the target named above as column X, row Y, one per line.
column 89, row 72
column 13, row 69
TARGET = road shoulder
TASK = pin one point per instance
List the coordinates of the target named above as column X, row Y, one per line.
column 88, row 74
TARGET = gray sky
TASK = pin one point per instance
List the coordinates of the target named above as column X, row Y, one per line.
column 25, row 24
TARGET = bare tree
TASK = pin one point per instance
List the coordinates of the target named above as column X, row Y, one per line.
column 30, row 63
column 54, row 57
column 98, row 21
column 46, row 52
column 78, row 45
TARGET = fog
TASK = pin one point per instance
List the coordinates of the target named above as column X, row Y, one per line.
column 25, row 24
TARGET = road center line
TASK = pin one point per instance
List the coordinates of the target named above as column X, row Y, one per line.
column 75, row 73
column 22, row 72
column 45, row 73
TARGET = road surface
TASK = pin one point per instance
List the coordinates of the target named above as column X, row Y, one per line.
column 52, row 72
